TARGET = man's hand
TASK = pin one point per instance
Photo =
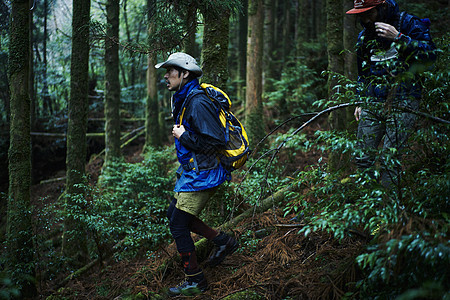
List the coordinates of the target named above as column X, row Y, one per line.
column 385, row 30
column 178, row 130
column 357, row 113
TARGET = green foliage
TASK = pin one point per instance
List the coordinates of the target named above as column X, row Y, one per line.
column 249, row 242
column 124, row 215
column 261, row 179
column 341, row 203
column 410, row 261
column 407, row 225
column 130, row 208
column 250, row 185
column 295, row 92
column 7, row 289
column 51, row 262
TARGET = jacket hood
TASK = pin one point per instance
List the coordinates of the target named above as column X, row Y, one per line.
column 392, row 12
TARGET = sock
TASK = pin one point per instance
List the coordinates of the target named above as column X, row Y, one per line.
column 199, row 227
column 190, row 263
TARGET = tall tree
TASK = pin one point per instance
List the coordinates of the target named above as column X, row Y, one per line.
column 337, row 119
column 112, row 84
column 350, row 66
column 253, row 112
column 242, row 50
column 268, row 57
column 19, row 223
column 215, row 47
column 47, row 101
column 350, row 37
column 190, row 45
column 152, row 127
column 31, row 79
column 74, row 240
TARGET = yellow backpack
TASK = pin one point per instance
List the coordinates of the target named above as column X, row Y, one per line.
column 236, row 151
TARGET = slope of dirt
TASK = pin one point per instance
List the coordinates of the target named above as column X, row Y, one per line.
column 273, row 262
column 278, row 265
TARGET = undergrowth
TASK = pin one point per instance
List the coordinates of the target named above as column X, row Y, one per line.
column 407, row 224
column 123, row 215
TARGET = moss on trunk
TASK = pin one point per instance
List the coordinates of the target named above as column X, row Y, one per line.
column 215, row 48
column 153, row 134
column 253, row 111
column 74, row 238
column 112, row 83
column 19, row 223
column 335, row 38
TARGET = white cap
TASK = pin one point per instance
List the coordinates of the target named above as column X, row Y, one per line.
column 182, row 60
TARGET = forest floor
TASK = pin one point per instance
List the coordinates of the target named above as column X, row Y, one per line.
column 273, row 262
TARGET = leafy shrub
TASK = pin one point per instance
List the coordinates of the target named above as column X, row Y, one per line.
column 409, row 262
column 406, row 225
column 7, row 288
column 295, row 92
column 131, row 207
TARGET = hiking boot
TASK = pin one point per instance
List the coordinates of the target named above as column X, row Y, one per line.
column 192, row 285
column 225, row 245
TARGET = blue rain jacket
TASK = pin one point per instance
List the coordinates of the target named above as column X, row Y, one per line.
column 382, row 62
column 197, row 146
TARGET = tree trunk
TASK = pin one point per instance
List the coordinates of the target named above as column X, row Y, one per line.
column 112, row 83
column 31, row 81
column 335, row 42
column 242, row 51
column 350, row 66
column 4, row 86
column 190, row 45
column 337, row 119
column 215, row 48
column 132, row 72
column 285, row 31
column 152, row 127
column 47, row 101
column 350, row 37
column 268, row 70
column 74, row 237
column 19, row 223
column 253, row 111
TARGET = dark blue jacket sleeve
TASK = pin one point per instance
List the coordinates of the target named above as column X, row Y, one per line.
column 416, row 42
column 204, row 132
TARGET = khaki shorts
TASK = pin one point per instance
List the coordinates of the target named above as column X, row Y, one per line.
column 194, row 202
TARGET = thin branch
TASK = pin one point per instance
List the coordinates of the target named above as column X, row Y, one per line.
column 315, row 116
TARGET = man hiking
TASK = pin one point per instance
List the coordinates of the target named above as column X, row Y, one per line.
column 198, row 134
column 391, row 49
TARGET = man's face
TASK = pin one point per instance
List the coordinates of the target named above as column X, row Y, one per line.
column 173, row 79
column 369, row 16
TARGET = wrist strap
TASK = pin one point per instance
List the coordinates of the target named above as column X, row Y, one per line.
column 399, row 35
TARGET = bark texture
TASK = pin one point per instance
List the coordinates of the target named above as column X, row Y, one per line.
column 19, row 223
column 112, row 83
column 253, row 110
column 153, row 134
column 74, row 239
column 335, row 38
column 242, row 51
column 215, row 48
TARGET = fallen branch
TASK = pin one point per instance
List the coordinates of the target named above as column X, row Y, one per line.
column 124, row 138
column 52, row 180
column 90, row 265
column 79, row 272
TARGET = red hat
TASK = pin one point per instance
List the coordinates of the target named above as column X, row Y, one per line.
column 361, row 6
